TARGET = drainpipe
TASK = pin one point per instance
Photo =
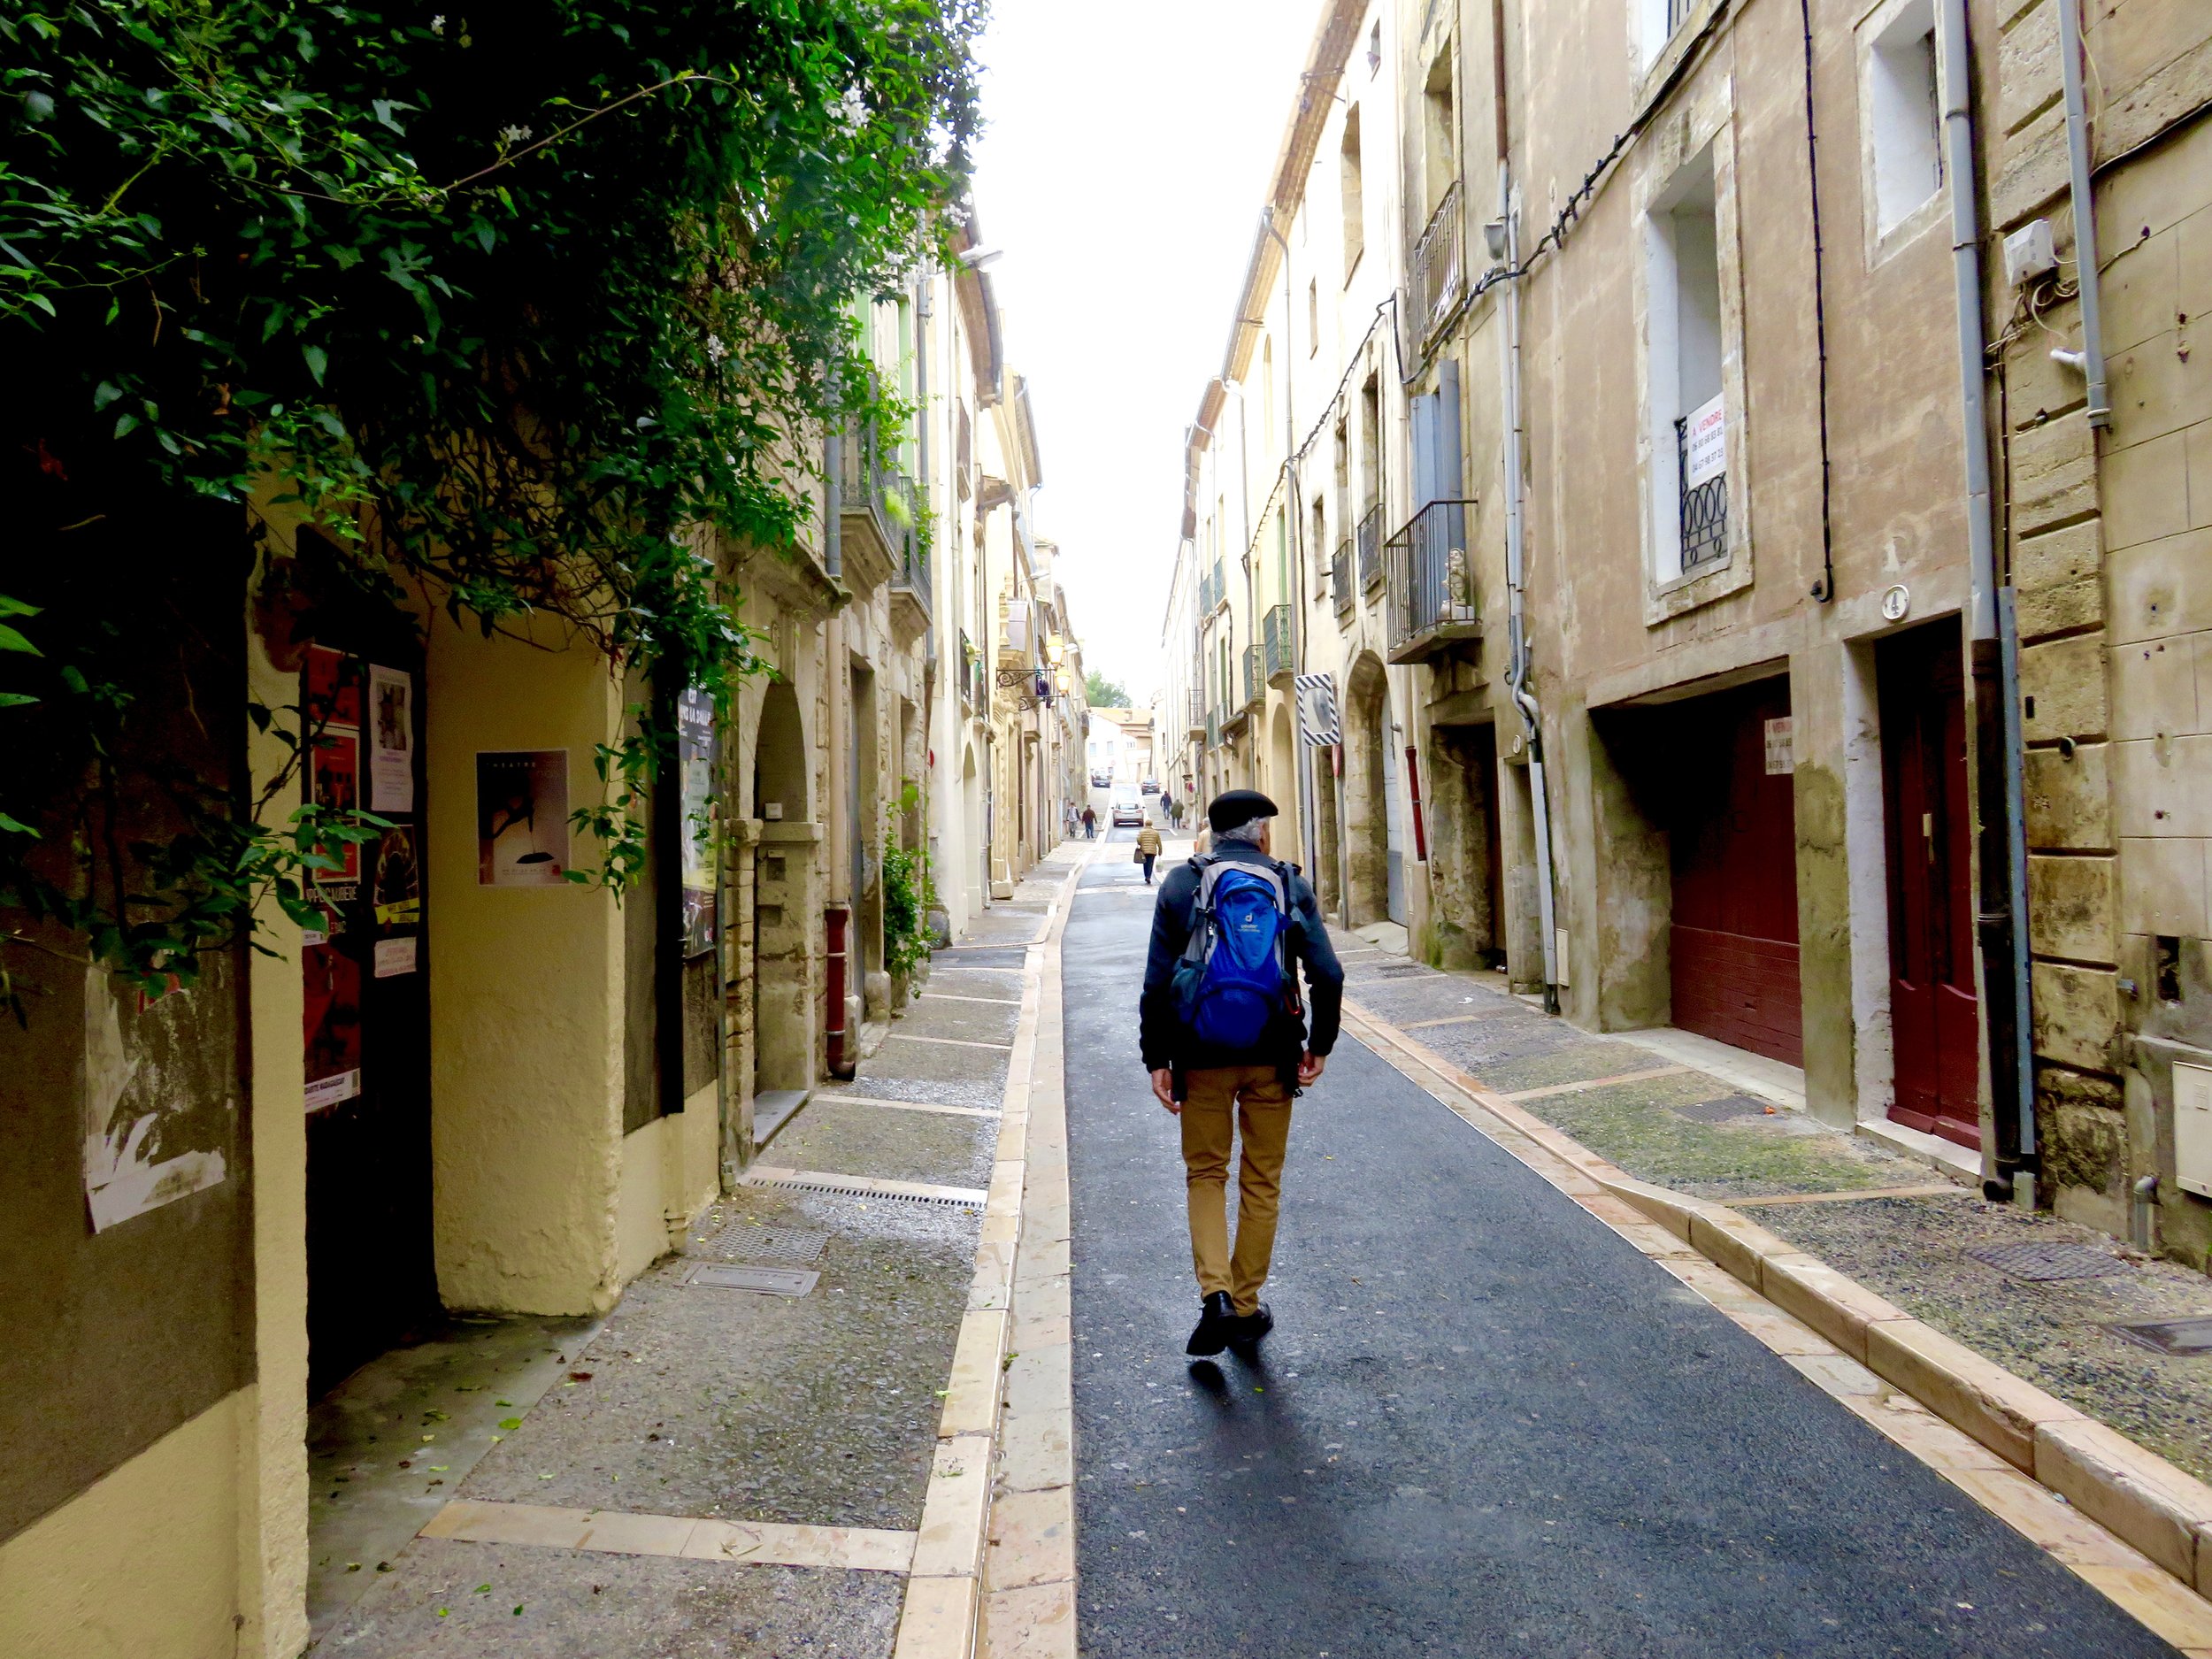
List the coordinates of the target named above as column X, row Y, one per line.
column 1516, row 672
column 2070, row 52
column 1995, row 646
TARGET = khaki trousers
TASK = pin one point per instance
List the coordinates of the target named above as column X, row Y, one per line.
column 1219, row 1102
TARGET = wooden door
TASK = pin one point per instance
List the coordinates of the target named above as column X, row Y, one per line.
column 1935, row 1019
column 371, row 1276
column 1733, row 940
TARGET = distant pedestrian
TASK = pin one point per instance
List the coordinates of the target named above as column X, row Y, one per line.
column 1148, row 847
column 1090, row 824
column 1223, row 1035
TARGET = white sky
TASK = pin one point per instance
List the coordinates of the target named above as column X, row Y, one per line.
column 1122, row 170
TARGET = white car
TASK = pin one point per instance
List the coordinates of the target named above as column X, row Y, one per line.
column 1128, row 808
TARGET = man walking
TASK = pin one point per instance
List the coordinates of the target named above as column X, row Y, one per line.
column 1223, row 1036
column 1148, row 847
column 1090, row 824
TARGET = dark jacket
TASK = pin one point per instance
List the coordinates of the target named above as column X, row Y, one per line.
column 1161, row 1032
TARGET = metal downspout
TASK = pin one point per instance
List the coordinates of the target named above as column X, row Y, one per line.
column 1516, row 672
column 1993, row 623
column 2085, row 276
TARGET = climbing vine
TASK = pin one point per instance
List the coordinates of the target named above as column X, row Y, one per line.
column 508, row 305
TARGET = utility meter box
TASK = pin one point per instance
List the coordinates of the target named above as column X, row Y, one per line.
column 2192, row 1127
column 2029, row 254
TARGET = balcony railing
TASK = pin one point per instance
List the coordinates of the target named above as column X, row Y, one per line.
column 1702, row 479
column 1340, row 579
column 1435, row 270
column 909, row 569
column 1213, row 729
column 1198, row 718
column 970, row 672
column 1255, row 678
column 1432, row 583
column 876, row 510
column 1370, row 570
column 1275, row 635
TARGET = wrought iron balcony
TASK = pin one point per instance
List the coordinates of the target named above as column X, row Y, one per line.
column 1370, row 570
column 970, row 672
column 875, row 514
column 1275, row 633
column 1432, row 583
column 909, row 573
column 1198, row 716
column 1704, row 514
column 1435, row 270
column 1340, row 579
column 1255, row 678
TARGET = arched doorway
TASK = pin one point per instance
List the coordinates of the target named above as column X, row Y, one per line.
column 1374, row 867
column 976, row 877
column 785, row 903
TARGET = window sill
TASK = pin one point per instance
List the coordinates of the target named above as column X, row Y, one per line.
column 1665, row 600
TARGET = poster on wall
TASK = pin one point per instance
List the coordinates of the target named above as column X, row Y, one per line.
column 335, row 785
column 331, row 1024
column 696, row 757
column 396, row 886
column 149, row 1137
column 331, row 689
column 522, row 818
column 391, row 740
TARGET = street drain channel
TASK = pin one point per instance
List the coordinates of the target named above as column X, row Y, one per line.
column 2180, row 1339
column 2041, row 1264
column 957, row 1200
column 769, row 1281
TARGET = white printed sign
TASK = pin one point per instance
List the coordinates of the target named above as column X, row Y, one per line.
column 394, row 957
column 391, row 740
column 1781, row 748
column 1706, row 440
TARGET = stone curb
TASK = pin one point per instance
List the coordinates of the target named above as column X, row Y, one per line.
column 940, row 1616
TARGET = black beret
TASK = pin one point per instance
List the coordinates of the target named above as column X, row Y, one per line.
column 1235, row 807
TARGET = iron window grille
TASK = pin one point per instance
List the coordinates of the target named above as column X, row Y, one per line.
column 1704, row 507
column 1431, row 578
column 1370, row 570
column 1275, row 635
column 1434, row 270
column 1340, row 579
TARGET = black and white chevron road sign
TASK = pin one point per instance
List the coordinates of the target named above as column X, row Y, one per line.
column 1317, row 720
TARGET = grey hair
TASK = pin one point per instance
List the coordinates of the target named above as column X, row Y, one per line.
column 1249, row 831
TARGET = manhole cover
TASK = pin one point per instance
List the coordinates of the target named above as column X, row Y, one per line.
column 2044, row 1262
column 2183, row 1339
column 1721, row 1110
column 750, row 1241
column 771, row 1281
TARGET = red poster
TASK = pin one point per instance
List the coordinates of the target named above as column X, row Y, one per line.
column 331, row 1025
column 332, row 691
column 336, row 786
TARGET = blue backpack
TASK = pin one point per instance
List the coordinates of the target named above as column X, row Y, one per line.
column 1235, row 976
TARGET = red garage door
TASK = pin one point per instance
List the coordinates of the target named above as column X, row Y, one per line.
column 1734, row 938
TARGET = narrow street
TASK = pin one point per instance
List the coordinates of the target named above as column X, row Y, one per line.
column 1486, row 1424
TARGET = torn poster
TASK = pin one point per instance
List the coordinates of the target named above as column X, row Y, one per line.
column 391, row 740
column 147, row 1141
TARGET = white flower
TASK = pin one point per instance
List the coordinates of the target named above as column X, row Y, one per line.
column 513, row 134
column 437, row 24
column 715, row 349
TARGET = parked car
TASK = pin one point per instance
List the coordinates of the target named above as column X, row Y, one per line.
column 1152, row 785
column 1128, row 808
column 1100, row 779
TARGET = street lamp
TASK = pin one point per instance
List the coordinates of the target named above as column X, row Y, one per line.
column 1055, row 649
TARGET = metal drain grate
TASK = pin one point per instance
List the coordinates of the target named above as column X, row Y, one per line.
column 750, row 1241
column 768, row 1281
column 1403, row 970
column 2042, row 1263
column 2183, row 1339
column 1725, row 1109
column 841, row 1190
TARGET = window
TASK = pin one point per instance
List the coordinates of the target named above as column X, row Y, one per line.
column 1902, row 115
column 1313, row 315
column 1656, row 22
column 1688, row 417
column 1440, row 150
column 1267, row 397
column 1355, row 201
column 1374, row 49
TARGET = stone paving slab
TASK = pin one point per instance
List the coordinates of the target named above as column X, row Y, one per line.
column 598, row 1605
column 890, row 1145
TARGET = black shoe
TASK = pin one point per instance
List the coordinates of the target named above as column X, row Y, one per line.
column 1217, row 1318
column 1247, row 1329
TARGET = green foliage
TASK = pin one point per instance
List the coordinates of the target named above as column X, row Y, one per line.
column 1103, row 693
column 908, row 894
column 511, row 302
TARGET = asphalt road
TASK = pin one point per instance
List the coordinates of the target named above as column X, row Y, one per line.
column 1484, row 1423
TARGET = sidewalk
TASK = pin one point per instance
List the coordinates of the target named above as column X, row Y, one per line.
column 739, row 1459
column 1895, row 1223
